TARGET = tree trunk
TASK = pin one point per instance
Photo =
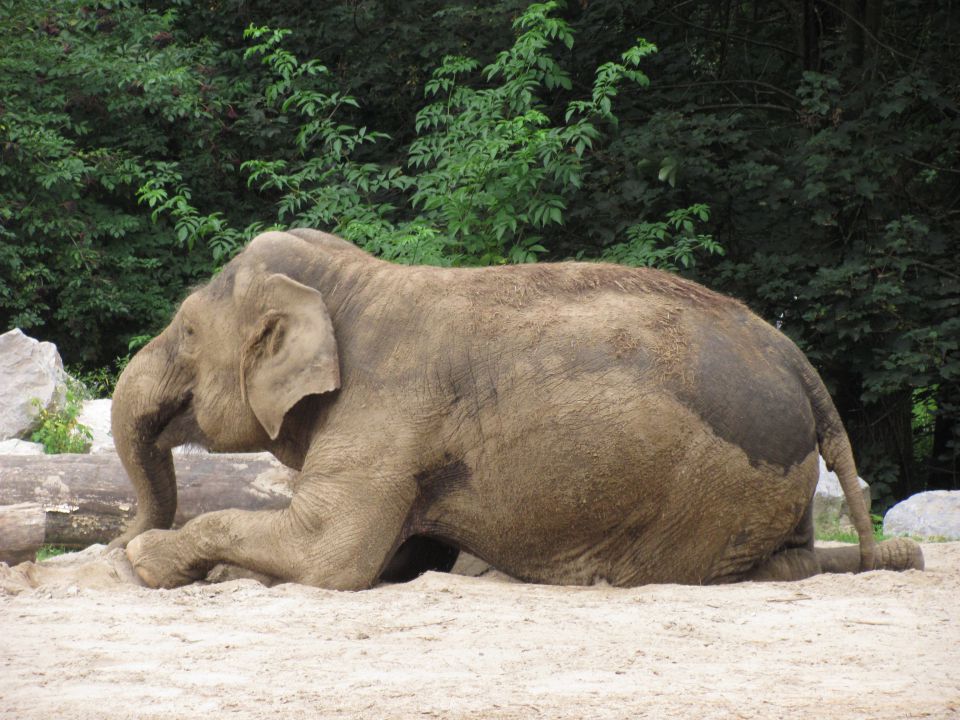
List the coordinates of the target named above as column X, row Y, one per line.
column 863, row 18
column 944, row 468
column 811, row 35
column 87, row 499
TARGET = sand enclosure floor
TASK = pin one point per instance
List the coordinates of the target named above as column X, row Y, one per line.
column 87, row 642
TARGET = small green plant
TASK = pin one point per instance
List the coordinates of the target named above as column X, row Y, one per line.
column 59, row 430
column 850, row 536
column 50, row 551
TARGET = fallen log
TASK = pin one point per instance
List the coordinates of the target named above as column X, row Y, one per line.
column 79, row 500
column 22, row 528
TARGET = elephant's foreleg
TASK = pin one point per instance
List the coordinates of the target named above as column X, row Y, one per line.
column 342, row 552
column 170, row 558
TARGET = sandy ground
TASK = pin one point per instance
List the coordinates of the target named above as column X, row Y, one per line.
column 89, row 643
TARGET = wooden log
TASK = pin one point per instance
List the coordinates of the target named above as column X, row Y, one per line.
column 22, row 528
column 87, row 499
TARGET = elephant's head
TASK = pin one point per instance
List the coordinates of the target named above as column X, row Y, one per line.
column 238, row 355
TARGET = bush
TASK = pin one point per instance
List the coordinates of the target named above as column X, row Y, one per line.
column 59, row 431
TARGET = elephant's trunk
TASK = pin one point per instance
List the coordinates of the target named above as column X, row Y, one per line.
column 139, row 413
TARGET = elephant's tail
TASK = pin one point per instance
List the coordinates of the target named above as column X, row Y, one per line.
column 836, row 451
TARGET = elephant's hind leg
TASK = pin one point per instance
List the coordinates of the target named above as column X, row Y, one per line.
column 785, row 565
column 796, row 559
column 800, row 563
column 894, row 554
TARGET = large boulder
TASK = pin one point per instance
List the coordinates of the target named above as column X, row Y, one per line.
column 830, row 511
column 29, row 370
column 95, row 415
column 928, row 515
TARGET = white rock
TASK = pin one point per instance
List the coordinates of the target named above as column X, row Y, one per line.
column 933, row 514
column 29, row 370
column 830, row 511
column 188, row 450
column 95, row 414
column 20, row 447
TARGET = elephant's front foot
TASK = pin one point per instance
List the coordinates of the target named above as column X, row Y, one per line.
column 135, row 528
column 159, row 559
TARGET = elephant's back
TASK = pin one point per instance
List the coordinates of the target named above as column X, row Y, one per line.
column 516, row 286
column 644, row 327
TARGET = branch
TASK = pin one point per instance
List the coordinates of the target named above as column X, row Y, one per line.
column 937, row 269
column 758, row 83
column 744, row 38
column 745, row 106
column 866, row 30
column 929, row 165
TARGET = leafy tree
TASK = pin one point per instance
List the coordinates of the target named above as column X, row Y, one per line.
column 487, row 174
column 91, row 96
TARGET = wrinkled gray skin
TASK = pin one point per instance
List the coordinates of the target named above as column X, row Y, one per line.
column 568, row 423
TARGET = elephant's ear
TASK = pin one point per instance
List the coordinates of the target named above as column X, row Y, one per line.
column 291, row 353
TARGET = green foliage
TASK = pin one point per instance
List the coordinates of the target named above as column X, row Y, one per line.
column 923, row 423
column 318, row 182
column 99, row 382
column 50, row 551
column 58, row 430
column 487, row 175
column 91, row 93
column 495, row 171
column 671, row 244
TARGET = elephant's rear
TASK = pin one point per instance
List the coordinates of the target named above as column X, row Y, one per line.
column 688, row 446
column 754, row 389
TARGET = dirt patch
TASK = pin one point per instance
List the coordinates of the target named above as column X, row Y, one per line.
column 89, row 643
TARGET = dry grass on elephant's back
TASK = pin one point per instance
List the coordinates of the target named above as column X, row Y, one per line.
column 670, row 348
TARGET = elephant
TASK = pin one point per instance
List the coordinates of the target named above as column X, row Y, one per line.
column 569, row 423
